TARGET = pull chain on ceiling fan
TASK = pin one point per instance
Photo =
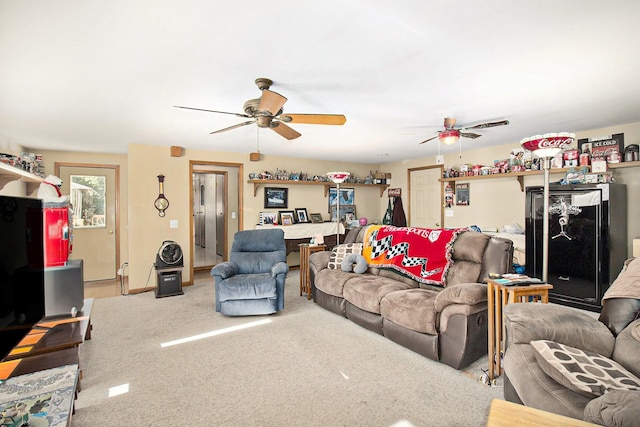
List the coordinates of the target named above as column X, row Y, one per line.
column 267, row 112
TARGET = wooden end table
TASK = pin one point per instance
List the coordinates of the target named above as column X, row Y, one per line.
column 499, row 295
column 507, row 414
column 305, row 272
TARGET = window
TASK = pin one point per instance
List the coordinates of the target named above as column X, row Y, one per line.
column 88, row 200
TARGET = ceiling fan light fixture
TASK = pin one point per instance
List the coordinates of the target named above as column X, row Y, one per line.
column 449, row 136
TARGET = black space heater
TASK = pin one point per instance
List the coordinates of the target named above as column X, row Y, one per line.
column 169, row 266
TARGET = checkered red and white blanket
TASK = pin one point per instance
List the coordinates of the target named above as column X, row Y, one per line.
column 423, row 254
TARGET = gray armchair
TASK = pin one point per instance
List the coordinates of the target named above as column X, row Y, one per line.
column 252, row 281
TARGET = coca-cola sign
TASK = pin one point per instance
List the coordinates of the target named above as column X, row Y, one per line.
column 555, row 140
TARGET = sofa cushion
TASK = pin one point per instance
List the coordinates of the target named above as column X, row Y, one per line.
column 619, row 408
column 366, row 291
column 413, row 309
column 339, row 252
column 584, row 372
column 332, row 282
column 626, row 350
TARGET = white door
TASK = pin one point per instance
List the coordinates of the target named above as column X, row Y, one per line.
column 425, row 197
column 94, row 229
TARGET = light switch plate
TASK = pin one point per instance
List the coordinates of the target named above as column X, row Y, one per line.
column 173, row 223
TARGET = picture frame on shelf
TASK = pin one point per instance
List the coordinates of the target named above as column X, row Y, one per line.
column 276, row 197
column 301, row 215
column 316, row 218
column 268, row 218
column 282, row 214
column 347, row 197
column 603, row 146
column 287, row 218
column 345, row 210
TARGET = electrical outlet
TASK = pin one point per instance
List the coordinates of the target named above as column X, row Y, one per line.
column 173, row 223
column 119, row 272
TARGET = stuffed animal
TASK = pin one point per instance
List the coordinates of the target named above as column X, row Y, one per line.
column 49, row 190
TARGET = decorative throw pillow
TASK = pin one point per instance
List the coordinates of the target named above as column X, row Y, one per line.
column 357, row 259
column 584, row 372
column 339, row 252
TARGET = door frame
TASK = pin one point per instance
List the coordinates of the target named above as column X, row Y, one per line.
column 194, row 166
column 116, row 170
column 225, row 221
column 409, row 171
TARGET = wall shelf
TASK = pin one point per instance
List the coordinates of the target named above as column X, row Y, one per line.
column 8, row 173
column 258, row 182
column 520, row 175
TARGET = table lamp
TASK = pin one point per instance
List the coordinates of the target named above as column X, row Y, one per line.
column 546, row 147
column 338, row 178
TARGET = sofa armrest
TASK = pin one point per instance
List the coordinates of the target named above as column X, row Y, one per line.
column 224, row 270
column 279, row 268
column 462, row 293
column 319, row 260
column 526, row 322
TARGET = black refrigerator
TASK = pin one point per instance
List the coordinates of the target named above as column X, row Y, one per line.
column 587, row 240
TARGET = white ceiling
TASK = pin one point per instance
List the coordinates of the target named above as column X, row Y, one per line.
column 98, row 75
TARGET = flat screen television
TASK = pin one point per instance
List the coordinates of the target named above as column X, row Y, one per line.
column 22, row 302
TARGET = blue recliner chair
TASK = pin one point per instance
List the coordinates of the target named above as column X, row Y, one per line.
column 252, row 281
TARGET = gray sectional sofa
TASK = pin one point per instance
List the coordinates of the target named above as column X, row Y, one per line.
column 578, row 377
column 446, row 324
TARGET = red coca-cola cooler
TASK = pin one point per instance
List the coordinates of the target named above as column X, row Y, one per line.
column 56, row 233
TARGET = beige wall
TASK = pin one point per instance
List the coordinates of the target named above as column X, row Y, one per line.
column 497, row 202
column 147, row 230
column 51, row 157
column 494, row 202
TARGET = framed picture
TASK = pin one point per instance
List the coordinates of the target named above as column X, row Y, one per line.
column 346, row 197
column 301, row 215
column 282, row 214
column 286, row 218
column 462, row 194
column 602, row 146
column 316, row 218
column 346, row 211
column 268, row 218
column 275, row 197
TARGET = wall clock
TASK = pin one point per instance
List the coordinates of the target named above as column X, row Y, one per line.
column 161, row 202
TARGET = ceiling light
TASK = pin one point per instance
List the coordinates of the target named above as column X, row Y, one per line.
column 449, row 136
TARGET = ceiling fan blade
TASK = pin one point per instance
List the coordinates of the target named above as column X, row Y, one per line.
column 470, row 135
column 233, row 127
column 488, row 125
column 427, row 140
column 212, row 111
column 271, row 102
column 314, row 119
column 284, row 130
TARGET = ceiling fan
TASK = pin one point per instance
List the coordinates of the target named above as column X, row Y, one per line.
column 451, row 134
column 267, row 112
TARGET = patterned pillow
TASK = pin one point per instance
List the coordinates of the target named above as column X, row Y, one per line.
column 339, row 252
column 584, row 372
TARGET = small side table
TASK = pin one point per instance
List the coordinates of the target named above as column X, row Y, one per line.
column 305, row 273
column 499, row 295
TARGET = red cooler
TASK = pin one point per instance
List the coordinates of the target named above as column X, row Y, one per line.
column 56, row 234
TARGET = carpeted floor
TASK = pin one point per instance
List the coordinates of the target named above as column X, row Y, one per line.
column 305, row 367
